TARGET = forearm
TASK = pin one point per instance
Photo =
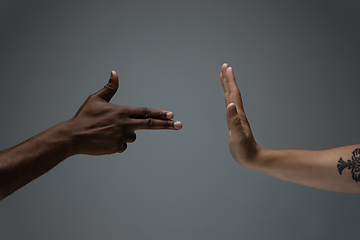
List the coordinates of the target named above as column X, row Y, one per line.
column 333, row 170
column 23, row 163
column 316, row 169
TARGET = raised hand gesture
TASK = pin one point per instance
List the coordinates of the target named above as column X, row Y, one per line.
column 241, row 140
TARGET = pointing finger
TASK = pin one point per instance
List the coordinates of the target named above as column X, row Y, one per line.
column 140, row 113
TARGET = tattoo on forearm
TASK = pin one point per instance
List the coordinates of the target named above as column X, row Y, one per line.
column 353, row 164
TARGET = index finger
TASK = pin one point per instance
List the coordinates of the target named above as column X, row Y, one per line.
column 144, row 112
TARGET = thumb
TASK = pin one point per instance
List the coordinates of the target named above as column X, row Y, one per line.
column 233, row 119
column 108, row 91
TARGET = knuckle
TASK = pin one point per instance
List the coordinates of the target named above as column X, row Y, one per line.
column 122, row 148
column 145, row 112
column 122, row 111
column 149, row 122
column 237, row 121
column 108, row 86
column 132, row 138
column 169, row 124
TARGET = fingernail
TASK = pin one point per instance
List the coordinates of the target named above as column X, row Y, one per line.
column 169, row 115
column 232, row 109
column 177, row 125
column 112, row 75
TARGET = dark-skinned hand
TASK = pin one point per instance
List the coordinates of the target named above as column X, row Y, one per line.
column 100, row 127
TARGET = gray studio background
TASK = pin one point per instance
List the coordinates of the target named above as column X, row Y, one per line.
column 296, row 62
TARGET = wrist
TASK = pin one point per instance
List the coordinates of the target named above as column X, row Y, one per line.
column 258, row 161
column 264, row 160
column 62, row 134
